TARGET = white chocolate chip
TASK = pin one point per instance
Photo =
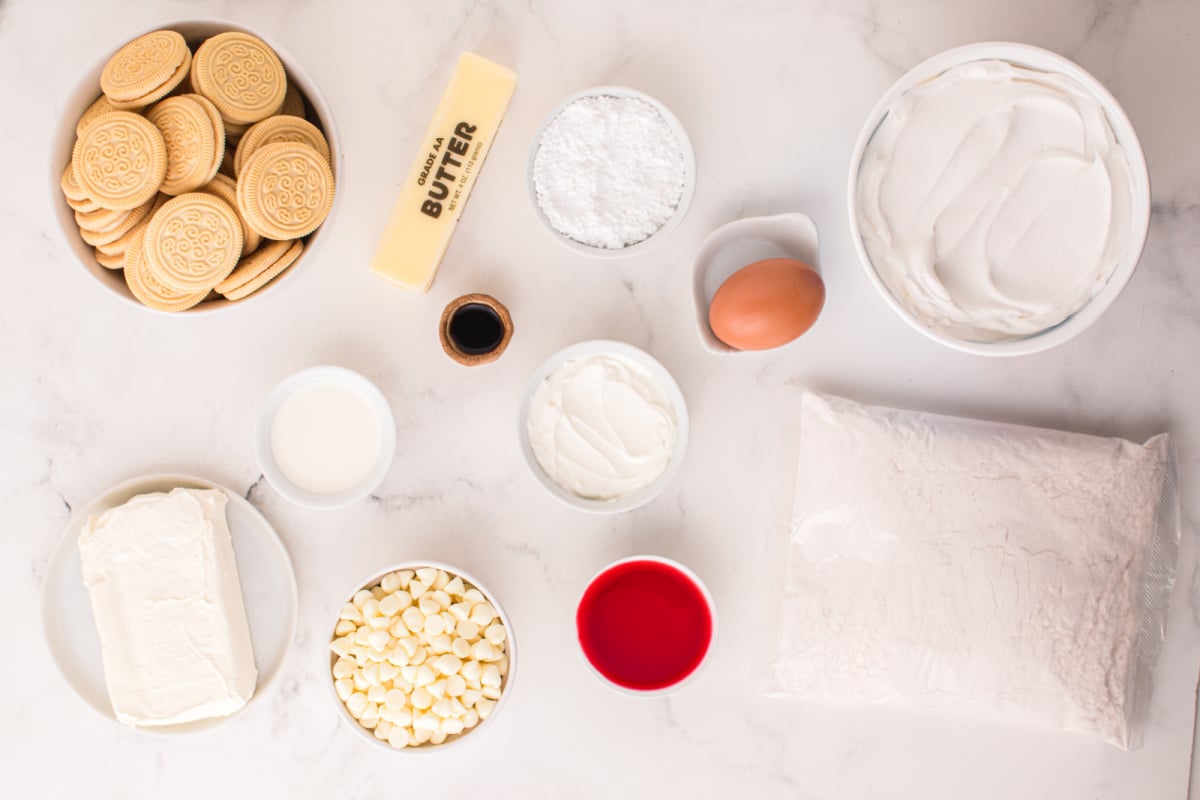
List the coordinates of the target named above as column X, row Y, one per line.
column 481, row 614
column 434, row 625
column 344, row 688
column 482, row 651
column 390, row 582
column 351, row 613
column 427, row 575
column 417, row 588
column 467, row 629
column 471, row 670
column 455, row 587
column 360, row 681
column 342, row 646
column 471, row 718
column 345, row 626
column 491, row 676
column 356, row 704
column 371, row 674
column 389, row 606
column 380, row 623
column 428, row 605
column 388, row 671
column 361, row 597
column 470, row 697
column 383, row 729
column 395, row 699
column 425, row 675
column 495, row 633
column 442, row 643
column 473, row 596
column 489, row 692
column 440, row 598
column 447, row 664
column 398, row 737
column 421, row 735
column 343, row 668
column 371, row 608
column 461, row 648
column 455, row 685
column 376, row 694
column 378, row 593
column 414, row 619
column 484, row 706
column 379, row 640
column 421, row 699
column 452, row 726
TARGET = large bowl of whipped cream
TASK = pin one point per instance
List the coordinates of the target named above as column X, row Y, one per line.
column 999, row 198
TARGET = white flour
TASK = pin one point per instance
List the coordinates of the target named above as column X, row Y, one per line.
column 967, row 566
column 608, row 171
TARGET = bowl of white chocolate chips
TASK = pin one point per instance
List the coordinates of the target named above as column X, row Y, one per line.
column 421, row 656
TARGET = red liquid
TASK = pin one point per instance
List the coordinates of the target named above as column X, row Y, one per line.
column 644, row 625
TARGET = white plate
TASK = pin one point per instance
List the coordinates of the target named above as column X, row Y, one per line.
column 264, row 569
column 743, row 242
column 689, row 172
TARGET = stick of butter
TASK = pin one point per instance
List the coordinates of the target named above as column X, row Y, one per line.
column 445, row 171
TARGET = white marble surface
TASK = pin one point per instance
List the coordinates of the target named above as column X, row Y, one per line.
column 773, row 93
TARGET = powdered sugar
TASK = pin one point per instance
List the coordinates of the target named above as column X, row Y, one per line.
column 609, row 171
column 967, row 566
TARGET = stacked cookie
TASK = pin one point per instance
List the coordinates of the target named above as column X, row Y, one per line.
column 198, row 175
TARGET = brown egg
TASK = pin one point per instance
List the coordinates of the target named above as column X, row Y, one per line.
column 767, row 304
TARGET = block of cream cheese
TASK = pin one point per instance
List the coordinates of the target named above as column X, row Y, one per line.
column 164, row 588
column 445, row 171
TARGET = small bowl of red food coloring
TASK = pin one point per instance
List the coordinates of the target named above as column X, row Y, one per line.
column 646, row 624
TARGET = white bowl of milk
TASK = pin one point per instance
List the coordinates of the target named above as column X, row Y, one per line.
column 325, row 437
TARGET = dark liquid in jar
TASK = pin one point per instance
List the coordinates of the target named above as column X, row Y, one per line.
column 475, row 329
column 644, row 625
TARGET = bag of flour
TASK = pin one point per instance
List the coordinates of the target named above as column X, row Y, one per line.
column 977, row 568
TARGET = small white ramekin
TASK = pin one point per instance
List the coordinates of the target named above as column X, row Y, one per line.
column 88, row 89
column 712, row 639
column 689, row 168
column 506, row 684
column 661, row 376
column 1036, row 58
column 266, row 416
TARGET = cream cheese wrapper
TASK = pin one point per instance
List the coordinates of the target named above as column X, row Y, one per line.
column 977, row 568
column 163, row 583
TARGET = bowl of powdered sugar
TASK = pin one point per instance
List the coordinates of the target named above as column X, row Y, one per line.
column 610, row 171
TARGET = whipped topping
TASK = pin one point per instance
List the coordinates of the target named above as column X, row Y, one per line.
column 994, row 200
column 164, row 588
column 601, row 427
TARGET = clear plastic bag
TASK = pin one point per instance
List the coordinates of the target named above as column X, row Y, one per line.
column 977, row 568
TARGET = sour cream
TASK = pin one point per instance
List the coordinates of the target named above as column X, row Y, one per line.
column 601, row 427
column 994, row 201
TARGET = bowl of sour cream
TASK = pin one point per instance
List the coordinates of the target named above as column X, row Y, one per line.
column 325, row 437
column 603, row 426
column 999, row 198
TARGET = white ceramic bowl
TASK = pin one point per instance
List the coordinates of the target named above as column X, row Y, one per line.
column 689, row 168
column 664, row 379
column 505, row 684
column 266, row 416
column 1034, row 58
column 712, row 640
column 88, row 89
